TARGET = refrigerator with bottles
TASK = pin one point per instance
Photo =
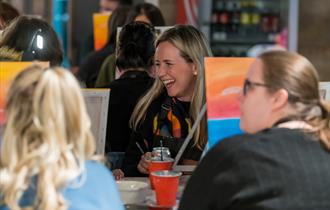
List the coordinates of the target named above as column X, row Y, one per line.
column 239, row 28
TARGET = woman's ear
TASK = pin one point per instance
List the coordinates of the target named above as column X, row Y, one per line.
column 280, row 99
column 194, row 68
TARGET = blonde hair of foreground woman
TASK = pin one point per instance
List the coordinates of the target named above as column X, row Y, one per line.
column 47, row 134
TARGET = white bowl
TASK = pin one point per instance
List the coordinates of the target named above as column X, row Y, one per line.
column 132, row 192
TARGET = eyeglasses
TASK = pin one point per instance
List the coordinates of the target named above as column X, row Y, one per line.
column 248, row 84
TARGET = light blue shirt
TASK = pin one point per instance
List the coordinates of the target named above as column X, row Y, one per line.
column 95, row 189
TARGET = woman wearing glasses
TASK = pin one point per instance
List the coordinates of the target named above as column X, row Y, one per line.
column 283, row 160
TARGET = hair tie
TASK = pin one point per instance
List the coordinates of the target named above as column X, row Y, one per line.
column 131, row 43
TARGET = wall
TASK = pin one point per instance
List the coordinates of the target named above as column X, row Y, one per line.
column 314, row 34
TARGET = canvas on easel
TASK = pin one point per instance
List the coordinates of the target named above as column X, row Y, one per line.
column 8, row 71
column 224, row 80
column 325, row 90
column 100, row 29
column 97, row 103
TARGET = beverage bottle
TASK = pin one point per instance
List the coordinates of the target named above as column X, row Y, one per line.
column 265, row 22
column 245, row 18
column 220, row 33
column 235, row 17
column 275, row 22
column 255, row 17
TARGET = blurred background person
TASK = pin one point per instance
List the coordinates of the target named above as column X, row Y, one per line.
column 90, row 67
column 170, row 107
column 144, row 12
column 86, row 47
column 148, row 13
column 135, row 55
column 286, row 148
column 108, row 5
column 7, row 14
column 47, row 153
column 29, row 39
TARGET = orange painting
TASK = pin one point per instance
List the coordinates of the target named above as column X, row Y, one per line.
column 100, row 25
column 8, row 71
column 224, row 80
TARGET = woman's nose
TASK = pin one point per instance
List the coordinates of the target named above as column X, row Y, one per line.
column 160, row 71
column 240, row 96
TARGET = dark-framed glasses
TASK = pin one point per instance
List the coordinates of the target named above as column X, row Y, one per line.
column 248, row 85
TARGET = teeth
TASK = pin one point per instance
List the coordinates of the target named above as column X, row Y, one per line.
column 166, row 82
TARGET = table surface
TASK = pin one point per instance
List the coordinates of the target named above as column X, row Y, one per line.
column 150, row 194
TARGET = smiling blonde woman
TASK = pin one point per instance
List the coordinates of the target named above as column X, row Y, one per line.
column 170, row 107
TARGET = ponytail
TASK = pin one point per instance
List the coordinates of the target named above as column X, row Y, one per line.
column 318, row 116
column 324, row 131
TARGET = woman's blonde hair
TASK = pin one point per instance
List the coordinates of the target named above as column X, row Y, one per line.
column 193, row 48
column 47, row 137
column 295, row 74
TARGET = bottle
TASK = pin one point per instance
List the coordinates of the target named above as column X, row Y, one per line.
column 274, row 24
column 265, row 22
column 235, row 17
column 255, row 17
column 224, row 17
column 220, row 34
column 245, row 18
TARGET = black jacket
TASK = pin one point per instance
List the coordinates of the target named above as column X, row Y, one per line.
column 277, row 169
column 147, row 133
column 124, row 94
column 91, row 65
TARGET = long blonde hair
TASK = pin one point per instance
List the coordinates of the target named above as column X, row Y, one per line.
column 47, row 136
column 295, row 74
column 193, row 48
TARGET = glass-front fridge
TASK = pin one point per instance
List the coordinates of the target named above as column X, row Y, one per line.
column 239, row 28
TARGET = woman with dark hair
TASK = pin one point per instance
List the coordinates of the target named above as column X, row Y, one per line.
column 283, row 162
column 134, row 59
column 144, row 12
column 28, row 39
column 148, row 13
column 89, row 69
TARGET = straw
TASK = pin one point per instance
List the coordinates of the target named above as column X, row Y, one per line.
column 161, row 150
column 140, row 148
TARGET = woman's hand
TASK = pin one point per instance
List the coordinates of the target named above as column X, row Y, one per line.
column 118, row 174
column 143, row 165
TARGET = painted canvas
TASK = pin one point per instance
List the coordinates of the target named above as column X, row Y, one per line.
column 97, row 101
column 100, row 27
column 325, row 90
column 8, row 71
column 224, row 80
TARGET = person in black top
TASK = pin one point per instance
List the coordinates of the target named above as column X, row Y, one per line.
column 169, row 108
column 282, row 163
column 144, row 12
column 134, row 60
column 90, row 67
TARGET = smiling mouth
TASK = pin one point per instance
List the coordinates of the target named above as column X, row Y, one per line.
column 168, row 83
